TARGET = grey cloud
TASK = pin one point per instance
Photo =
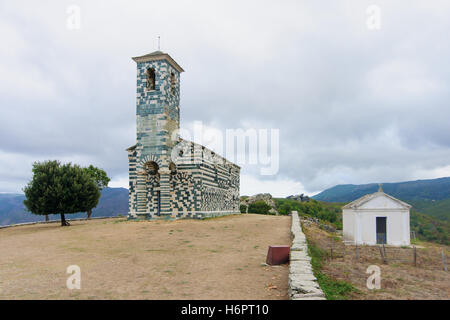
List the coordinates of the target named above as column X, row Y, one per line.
column 352, row 105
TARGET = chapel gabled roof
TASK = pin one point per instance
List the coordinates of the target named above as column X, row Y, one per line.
column 359, row 202
column 158, row 55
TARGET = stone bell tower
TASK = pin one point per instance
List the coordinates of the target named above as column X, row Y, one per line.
column 157, row 122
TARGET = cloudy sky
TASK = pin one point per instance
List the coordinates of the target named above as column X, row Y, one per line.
column 353, row 103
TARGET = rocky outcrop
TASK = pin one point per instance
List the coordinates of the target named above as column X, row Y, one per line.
column 266, row 197
column 300, row 197
column 309, row 220
column 302, row 282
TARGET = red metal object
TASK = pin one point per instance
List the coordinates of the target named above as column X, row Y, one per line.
column 278, row 255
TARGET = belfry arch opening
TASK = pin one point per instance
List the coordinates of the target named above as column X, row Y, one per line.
column 151, row 79
column 173, row 82
column 151, row 167
column 172, row 168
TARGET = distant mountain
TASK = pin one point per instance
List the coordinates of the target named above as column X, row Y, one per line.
column 429, row 190
column 113, row 201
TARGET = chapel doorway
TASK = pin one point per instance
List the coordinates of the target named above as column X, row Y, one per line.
column 381, row 230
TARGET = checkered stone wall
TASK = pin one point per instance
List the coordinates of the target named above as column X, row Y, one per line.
column 183, row 194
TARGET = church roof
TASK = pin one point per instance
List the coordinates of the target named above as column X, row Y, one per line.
column 359, row 202
column 158, row 55
column 133, row 147
column 209, row 150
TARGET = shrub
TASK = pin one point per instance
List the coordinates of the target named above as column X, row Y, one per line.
column 243, row 208
column 324, row 211
column 260, row 207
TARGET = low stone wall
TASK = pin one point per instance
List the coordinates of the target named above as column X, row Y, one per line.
column 302, row 282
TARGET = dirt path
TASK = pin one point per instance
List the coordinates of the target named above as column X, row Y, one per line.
column 185, row 259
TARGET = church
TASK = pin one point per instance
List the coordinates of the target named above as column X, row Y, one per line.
column 375, row 219
column 169, row 177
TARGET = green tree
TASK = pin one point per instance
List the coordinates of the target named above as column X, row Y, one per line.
column 100, row 178
column 60, row 189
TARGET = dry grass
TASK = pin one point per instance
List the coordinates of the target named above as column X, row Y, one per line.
column 185, row 259
column 400, row 279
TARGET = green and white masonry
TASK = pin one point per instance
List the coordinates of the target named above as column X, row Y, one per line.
column 169, row 176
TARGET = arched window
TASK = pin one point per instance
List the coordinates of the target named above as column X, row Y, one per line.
column 173, row 83
column 151, row 82
column 172, row 168
column 152, row 167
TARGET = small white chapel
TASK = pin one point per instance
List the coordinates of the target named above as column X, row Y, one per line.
column 375, row 219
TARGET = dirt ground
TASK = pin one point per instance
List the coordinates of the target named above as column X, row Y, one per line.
column 219, row 258
column 400, row 279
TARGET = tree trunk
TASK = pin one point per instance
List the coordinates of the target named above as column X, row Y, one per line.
column 64, row 223
column 89, row 213
column 46, row 218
